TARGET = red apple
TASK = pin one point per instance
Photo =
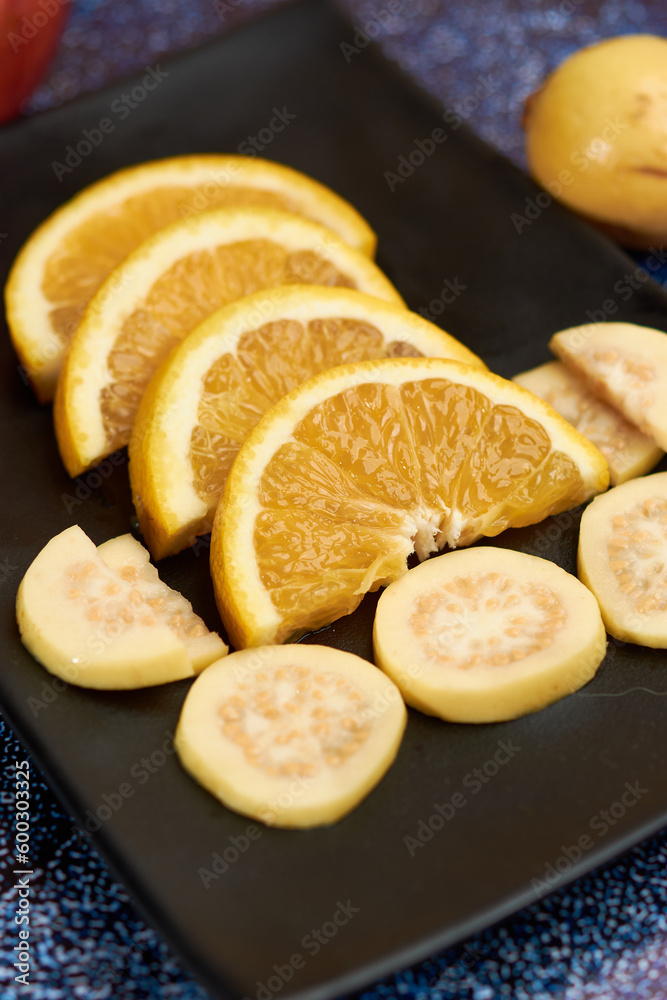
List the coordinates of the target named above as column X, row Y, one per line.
column 29, row 34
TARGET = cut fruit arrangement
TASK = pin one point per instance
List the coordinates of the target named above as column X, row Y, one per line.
column 69, row 257
column 163, row 290
column 214, row 387
column 359, row 467
column 271, row 382
column 102, row 618
column 487, row 634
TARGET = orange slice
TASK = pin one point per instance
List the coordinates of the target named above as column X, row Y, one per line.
column 102, row 618
column 360, row 466
column 167, row 287
column 622, row 554
column 209, row 394
column 624, row 364
column 487, row 634
column 295, row 736
column 629, row 452
column 72, row 253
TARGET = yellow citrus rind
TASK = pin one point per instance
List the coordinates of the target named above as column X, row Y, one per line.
column 393, row 529
column 81, row 430
column 170, row 510
column 201, row 180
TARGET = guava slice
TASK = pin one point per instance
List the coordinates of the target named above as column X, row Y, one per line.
column 624, row 364
column 487, row 634
column 294, row 736
column 102, row 618
column 622, row 559
column 628, row 451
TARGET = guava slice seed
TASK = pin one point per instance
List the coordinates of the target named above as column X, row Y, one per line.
column 628, row 451
column 294, row 736
column 487, row 634
column 102, row 618
column 622, row 559
column 626, row 365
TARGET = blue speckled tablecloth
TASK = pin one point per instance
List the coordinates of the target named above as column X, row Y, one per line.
column 603, row 937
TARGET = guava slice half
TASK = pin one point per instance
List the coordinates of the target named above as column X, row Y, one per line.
column 624, row 364
column 628, row 451
column 102, row 618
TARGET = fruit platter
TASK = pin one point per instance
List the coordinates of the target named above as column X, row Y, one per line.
column 260, row 377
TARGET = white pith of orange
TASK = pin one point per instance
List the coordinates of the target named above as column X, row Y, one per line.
column 84, row 436
column 141, row 194
column 171, row 510
column 390, row 531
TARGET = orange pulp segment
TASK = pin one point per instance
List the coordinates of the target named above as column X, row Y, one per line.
column 167, row 287
column 208, row 395
column 360, row 466
column 67, row 259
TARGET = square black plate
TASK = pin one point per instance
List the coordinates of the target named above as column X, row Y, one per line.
column 555, row 802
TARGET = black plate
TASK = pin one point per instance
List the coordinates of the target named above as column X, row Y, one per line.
column 552, row 804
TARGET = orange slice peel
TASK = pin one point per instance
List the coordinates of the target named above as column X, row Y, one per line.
column 214, row 387
column 360, row 466
column 68, row 258
column 165, row 288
